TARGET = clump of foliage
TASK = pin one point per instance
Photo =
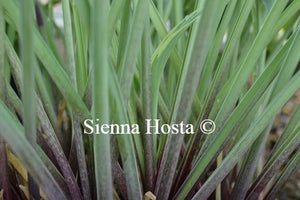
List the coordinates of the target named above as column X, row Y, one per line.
column 123, row 61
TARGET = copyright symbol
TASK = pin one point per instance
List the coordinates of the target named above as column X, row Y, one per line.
column 207, row 126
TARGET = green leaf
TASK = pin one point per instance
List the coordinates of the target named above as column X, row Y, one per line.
column 102, row 152
column 246, row 141
column 13, row 133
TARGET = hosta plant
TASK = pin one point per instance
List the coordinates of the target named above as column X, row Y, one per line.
column 183, row 63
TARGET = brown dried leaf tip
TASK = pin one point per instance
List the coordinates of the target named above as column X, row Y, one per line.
column 149, row 196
